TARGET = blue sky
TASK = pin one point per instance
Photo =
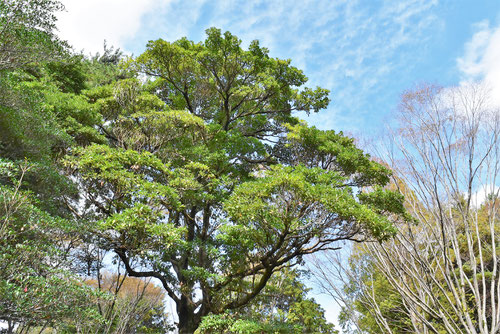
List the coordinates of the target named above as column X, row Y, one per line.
column 367, row 52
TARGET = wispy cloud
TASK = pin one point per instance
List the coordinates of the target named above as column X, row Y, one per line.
column 86, row 24
column 481, row 59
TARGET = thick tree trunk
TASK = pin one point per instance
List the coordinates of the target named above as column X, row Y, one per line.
column 188, row 320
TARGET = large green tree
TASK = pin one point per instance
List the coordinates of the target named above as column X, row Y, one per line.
column 210, row 185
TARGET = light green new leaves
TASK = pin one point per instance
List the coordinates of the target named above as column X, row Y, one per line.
column 140, row 227
column 333, row 151
column 129, row 175
column 303, row 203
column 139, row 192
column 115, row 165
column 223, row 84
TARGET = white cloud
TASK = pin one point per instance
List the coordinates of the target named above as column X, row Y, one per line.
column 481, row 59
column 482, row 194
column 87, row 23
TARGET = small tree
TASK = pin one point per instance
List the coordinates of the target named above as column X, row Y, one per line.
column 133, row 305
column 35, row 287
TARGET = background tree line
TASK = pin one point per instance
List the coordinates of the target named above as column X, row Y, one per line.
column 439, row 274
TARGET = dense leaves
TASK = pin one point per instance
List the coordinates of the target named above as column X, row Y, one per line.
column 27, row 32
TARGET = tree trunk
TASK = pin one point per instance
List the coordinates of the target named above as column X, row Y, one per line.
column 188, row 320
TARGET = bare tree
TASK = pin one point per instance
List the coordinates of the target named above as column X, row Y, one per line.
column 444, row 269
